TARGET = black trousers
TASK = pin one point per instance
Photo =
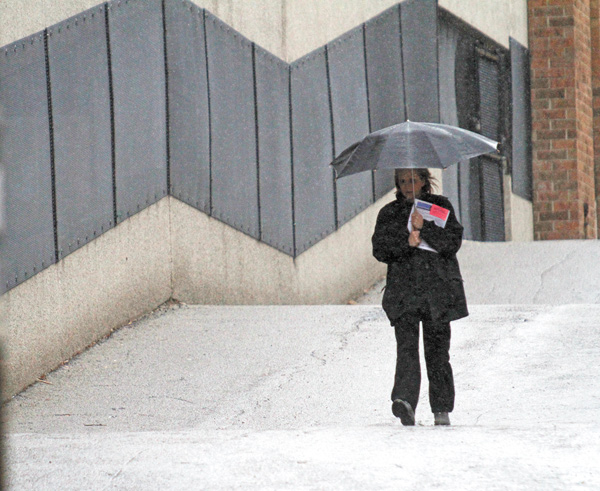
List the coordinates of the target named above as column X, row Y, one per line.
column 436, row 341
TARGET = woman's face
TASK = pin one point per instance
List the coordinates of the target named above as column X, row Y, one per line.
column 410, row 184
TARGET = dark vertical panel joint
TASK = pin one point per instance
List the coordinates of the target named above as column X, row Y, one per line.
column 52, row 153
column 167, row 129
column 364, row 43
column 437, row 59
column 111, row 93
column 210, row 179
column 403, row 59
column 256, row 140
column 294, row 250
column 333, row 150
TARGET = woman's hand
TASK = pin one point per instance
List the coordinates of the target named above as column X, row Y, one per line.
column 417, row 221
column 414, row 239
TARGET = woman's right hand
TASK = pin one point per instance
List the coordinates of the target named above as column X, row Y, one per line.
column 414, row 239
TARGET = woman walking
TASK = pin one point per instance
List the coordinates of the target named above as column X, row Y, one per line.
column 424, row 285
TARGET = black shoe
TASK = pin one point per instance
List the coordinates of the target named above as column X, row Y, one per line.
column 404, row 411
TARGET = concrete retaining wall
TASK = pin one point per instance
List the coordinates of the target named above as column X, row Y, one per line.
column 170, row 250
column 118, row 277
column 215, row 264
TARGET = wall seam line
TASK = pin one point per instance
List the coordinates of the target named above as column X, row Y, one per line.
column 210, row 174
column 167, row 114
column 292, row 181
column 332, row 126
column 256, row 141
column 364, row 42
column 111, row 96
column 52, row 149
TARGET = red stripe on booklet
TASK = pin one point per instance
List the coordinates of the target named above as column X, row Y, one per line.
column 439, row 212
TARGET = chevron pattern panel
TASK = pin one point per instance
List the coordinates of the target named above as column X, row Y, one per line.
column 111, row 110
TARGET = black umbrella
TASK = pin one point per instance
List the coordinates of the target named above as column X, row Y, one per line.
column 412, row 145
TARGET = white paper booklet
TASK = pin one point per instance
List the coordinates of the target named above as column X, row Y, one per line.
column 432, row 213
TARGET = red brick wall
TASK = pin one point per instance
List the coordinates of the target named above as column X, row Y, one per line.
column 562, row 119
column 595, row 31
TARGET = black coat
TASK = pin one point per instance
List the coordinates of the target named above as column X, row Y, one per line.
column 414, row 274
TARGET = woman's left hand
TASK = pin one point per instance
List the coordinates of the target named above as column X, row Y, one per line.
column 414, row 239
column 417, row 221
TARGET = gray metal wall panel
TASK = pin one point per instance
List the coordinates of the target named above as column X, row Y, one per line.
column 272, row 91
column 350, row 117
column 467, row 106
column 467, row 215
column 471, row 183
column 188, row 105
column 28, row 242
column 234, row 166
column 138, row 71
column 312, row 150
column 82, row 132
column 521, row 121
column 448, row 36
column 489, row 98
column 419, row 52
column 386, row 81
column 492, row 200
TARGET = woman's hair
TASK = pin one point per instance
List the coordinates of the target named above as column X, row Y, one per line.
column 429, row 181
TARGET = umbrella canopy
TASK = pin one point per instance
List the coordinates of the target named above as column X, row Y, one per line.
column 412, row 145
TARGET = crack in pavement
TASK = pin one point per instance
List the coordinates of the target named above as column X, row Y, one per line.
column 123, row 467
column 549, row 269
column 371, row 315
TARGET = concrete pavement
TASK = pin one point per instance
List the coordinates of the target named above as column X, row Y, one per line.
column 199, row 397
